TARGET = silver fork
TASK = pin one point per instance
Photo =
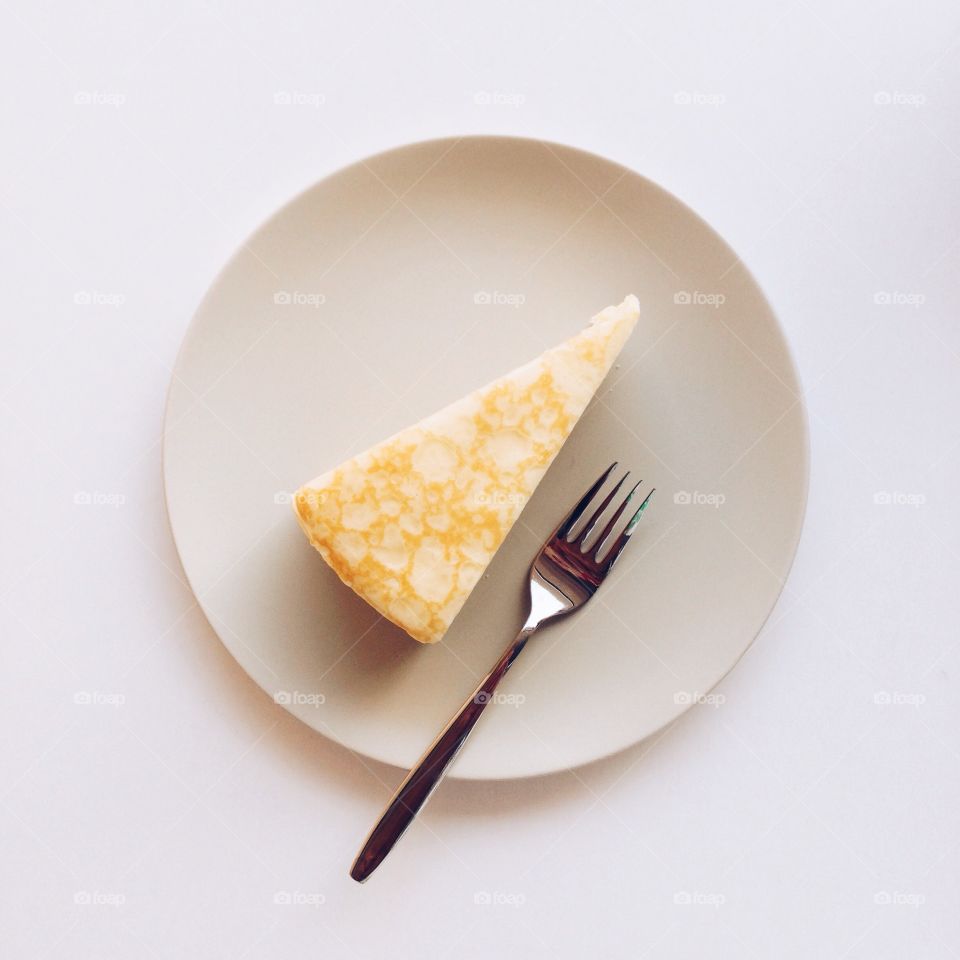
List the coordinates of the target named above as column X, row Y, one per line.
column 564, row 576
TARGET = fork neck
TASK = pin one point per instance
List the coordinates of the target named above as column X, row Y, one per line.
column 544, row 604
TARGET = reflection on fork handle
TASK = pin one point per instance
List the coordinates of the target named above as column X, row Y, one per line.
column 423, row 779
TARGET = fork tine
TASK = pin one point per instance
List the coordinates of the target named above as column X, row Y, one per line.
column 577, row 512
column 624, row 537
column 595, row 519
column 608, row 529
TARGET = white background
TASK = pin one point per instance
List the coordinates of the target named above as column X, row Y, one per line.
column 812, row 813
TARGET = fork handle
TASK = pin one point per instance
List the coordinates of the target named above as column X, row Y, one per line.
column 424, row 778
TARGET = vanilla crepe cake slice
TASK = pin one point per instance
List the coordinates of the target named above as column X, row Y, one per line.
column 412, row 523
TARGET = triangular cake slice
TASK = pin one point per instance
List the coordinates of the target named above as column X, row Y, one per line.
column 412, row 523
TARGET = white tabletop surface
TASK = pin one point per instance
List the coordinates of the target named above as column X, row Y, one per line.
column 156, row 804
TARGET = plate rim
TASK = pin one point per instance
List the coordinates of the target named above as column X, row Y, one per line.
column 452, row 141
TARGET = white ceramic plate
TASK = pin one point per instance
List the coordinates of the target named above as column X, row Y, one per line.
column 390, row 289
